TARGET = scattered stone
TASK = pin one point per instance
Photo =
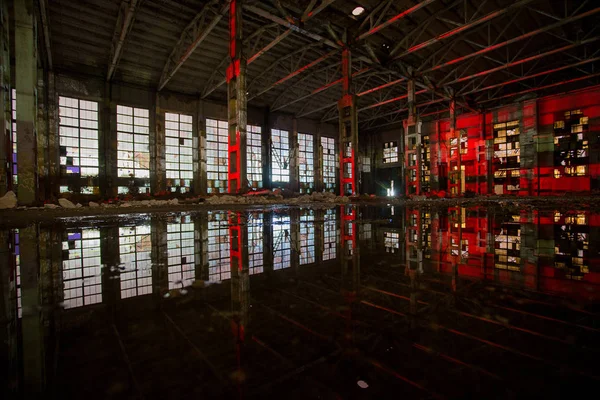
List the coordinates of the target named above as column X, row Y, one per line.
column 64, row 203
column 78, row 205
column 51, row 206
column 9, row 200
column 173, row 202
column 93, row 204
column 126, row 205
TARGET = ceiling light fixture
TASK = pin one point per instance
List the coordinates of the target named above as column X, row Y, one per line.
column 357, row 11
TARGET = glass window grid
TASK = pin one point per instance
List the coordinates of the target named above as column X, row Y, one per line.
column 390, row 152
column 306, row 162
column 330, row 162
column 78, row 136
column 181, row 255
column 179, row 152
column 280, row 156
column 135, row 252
column 307, row 237
column 133, row 145
column 391, row 241
column 507, row 155
column 254, row 166
column 507, row 247
column 282, row 250
column 329, row 235
column 16, row 254
column 82, row 268
column 255, row 243
column 217, row 158
column 219, row 255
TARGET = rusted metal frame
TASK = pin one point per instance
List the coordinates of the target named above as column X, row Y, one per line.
column 294, row 73
column 324, row 5
column 288, row 89
column 431, row 58
column 402, row 114
column 308, row 9
column 376, row 11
column 463, row 28
column 481, row 5
column 282, row 11
column 196, row 30
column 45, row 28
column 394, row 19
column 432, row 17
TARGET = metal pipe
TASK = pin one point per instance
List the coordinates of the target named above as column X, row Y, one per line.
column 394, row 19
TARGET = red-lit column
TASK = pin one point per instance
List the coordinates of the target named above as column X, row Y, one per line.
column 237, row 102
column 348, row 130
column 412, row 145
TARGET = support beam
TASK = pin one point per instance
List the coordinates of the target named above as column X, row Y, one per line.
column 463, row 28
column 6, row 157
column 395, row 19
column 46, row 30
column 198, row 29
column 412, row 144
column 348, row 125
column 237, row 101
column 26, row 82
column 511, row 41
column 123, row 26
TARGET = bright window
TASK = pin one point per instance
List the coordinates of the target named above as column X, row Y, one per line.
column 181, row 252
column 306, row 162
column 391, row 241
column 281, row 242
column 390, row 152
column 329, row 163
column 135, row 248
column 329, row 235
column 255, row 243
column 133, row 145
column 14, row 135
column 82, row 268
column 79, row 139
column 280, row 156
column 219, row 260
column 307, row 237
column 216, row 155
column 254, row 156
column 178, row 152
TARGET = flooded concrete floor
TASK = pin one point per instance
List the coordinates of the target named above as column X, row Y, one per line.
column 428, row 301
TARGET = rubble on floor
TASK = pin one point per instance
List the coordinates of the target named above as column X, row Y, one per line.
column 9, row 200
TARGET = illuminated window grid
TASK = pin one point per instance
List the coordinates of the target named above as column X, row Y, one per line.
column 329, row 236
column 79, row 139
column 329, row 163
column 507, row 248
column 280, row 156
column 82, row 268
column 254, row 156
column 133, row 144
column 135, row 247
column 306, row 162
column 181, row 252
column 17, row 277
column 572, row 246
column 367, row 231
column 507, row 154
column 391, row 241
column 390, row 152
column 425, row 163
column 571, row 145
column 255, row 243
column 13, row 102
column 307, row 237
column 217, row 139
column 282, row 249
column 178, row 152
column 219, row 255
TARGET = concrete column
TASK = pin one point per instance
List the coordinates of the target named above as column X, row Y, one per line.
column 295, row 238
column 5, row 100
column 237, row 101
column 201, row 245
column 318, row 158
column 348, row 125
column 25, row 72
column 108, row 137
column 158, row 179
column 294, row 158
column 200, row 177
column 266, row 149
column 412, row 145
column 53, row 183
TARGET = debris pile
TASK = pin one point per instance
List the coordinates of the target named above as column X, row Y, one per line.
column 9, row 200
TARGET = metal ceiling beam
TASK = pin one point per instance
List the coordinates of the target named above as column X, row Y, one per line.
column 295, row 73
column 463, row 28
column 197, row 30
column 324, row 5
column 44, row 19
column 550, row 71
column 511, row 41
column 523, row 60
column 394, row 19
column 535, row 89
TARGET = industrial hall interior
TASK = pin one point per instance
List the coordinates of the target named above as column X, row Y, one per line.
column 245, row 198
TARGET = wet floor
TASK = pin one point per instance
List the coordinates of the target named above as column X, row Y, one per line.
column 330, row 303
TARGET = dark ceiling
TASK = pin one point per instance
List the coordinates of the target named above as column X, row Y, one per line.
column 539, row 47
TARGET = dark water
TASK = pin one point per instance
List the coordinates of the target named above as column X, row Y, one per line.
column 347, row 302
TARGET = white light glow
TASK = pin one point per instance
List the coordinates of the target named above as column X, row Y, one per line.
column 357, row 11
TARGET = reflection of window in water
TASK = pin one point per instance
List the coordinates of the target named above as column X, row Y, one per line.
column 307, row 237
column 391, row 241
column 255, row 243
column 507, row 247
column 135, row 247
column 16, row 278
column 218, row 247
column 180, row 252
column 366, row 231
column 281, row 242
column 572, row 245
column 82, row 268
column 464, row 248
column 329, row 236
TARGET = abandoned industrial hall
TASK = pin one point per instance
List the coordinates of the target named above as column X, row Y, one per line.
column 304, row 199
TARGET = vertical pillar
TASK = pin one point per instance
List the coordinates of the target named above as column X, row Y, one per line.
column 318, row 160
column 294, row 158
column 295, row 238
column 160, row 257
column 201, row 245
column 237, row 101
column 348, row 125
column 412, row 145
column 26, row 71
column 5, row 101
column 240, row 274
column 108, row 160
column 454, row 173
column 202, row 174
column 53, row 139
column 158, row 178
column 265, row 139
